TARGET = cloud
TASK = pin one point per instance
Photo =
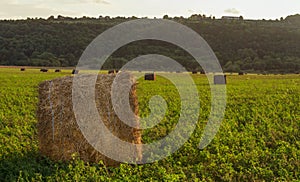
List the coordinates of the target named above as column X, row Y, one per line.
column 102, row 1
column 191, row 11
column 232, row 11
column 15, row 10
column 84, row 1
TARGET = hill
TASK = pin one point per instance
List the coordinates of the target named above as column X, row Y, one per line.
column 240, row 45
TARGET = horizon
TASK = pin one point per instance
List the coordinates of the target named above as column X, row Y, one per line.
column 254, row 10
column 97, row 17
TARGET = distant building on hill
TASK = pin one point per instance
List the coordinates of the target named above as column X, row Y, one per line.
column 232, row 18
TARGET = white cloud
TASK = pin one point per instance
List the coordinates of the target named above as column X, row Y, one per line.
column 17, row 9
column 101, row 1
column 80, row 1
column 191, row 11
column 232, row 11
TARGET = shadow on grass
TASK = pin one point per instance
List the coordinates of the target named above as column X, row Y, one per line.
column 33, row 167
column 29, row 165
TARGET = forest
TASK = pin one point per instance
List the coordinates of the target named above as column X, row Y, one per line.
column 241, row 45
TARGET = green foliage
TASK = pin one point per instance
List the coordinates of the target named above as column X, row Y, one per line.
column 250, row 45
column 258, row 139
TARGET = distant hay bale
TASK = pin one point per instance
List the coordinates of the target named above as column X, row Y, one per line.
column 194, row 72
column 220, row 79
column 43, row 70
column 57, row 71
column 111, row 72
column 58, row 132
column 74, row 72
column 22, row 69
column 150, row 76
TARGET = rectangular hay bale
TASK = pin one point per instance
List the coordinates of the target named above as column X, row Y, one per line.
column 220, row 79
column 150, row 76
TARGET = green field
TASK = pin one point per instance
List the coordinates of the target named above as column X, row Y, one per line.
column 259, row 139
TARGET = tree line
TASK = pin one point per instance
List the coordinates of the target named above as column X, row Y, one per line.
column 240, row 45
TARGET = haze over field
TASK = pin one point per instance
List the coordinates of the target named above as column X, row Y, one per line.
column 255, row 9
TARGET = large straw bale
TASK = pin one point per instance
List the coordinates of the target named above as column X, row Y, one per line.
column 58, row 132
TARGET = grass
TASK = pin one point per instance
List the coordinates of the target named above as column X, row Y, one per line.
column 259, row 138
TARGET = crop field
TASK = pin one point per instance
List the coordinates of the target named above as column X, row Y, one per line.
column 259, row 138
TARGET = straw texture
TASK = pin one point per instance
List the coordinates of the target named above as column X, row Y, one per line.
column 58, row 133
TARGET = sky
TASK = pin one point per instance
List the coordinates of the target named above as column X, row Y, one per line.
column 254, row 9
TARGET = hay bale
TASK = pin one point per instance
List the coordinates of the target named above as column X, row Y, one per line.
column 58, row 132
column 194, row 72
column 22, row 69
column 150, row 76
column 111, row 72
column 74, row 72
column 220, row 79
column 44, row 70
